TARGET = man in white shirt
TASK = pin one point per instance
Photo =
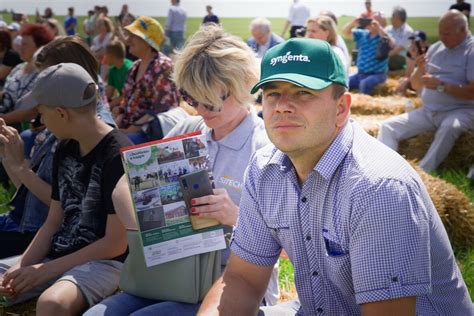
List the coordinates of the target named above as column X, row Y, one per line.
column 299, row 12
column 400, row 32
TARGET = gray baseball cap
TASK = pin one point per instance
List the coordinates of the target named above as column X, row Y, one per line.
column 61, row 85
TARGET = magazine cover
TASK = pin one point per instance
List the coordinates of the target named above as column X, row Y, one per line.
column 153, row 170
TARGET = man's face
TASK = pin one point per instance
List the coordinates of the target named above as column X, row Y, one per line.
column 368, row 5
column 449, row 34
column 260, row 37
column 298, row 120
column 396, row 21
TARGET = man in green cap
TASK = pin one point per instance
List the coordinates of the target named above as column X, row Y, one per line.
column 354, row 218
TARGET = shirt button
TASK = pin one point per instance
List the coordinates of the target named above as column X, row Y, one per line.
column 319, row 310
column 304, row 199
column 308, row 238
column 315, row 273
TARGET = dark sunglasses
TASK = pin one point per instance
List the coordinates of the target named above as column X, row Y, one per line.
column 194, row 103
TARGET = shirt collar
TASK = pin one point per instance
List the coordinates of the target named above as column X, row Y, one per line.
column 331, row 159
column 336, row 152
column 236, row 139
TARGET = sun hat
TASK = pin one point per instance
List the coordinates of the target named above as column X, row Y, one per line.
column 305, row 62
column 61, row 85
column 149, row 30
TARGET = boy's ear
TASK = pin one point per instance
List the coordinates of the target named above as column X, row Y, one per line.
column 62, row 112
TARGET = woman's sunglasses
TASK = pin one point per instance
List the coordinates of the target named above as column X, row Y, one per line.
column 194, row 103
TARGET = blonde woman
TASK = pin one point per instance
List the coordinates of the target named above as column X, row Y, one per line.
column 323, row 28
column 215, row 72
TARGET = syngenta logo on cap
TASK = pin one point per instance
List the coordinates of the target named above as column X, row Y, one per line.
column 288, row 57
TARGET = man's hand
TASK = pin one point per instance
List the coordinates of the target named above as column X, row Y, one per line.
column 22, row 279
column 218, row 206
column 430, row 82
column 421, row 61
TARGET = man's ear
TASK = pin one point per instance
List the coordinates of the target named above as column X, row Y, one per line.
column 343, row 109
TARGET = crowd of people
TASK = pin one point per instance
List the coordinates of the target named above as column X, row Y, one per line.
column 311, row 181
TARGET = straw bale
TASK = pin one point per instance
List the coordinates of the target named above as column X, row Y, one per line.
column 460, row 156
column 389, row 87
column 370, row 123
column 369, row 105
column 396, row 74
column 454, row 208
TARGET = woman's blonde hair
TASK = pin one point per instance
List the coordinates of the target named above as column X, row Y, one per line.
column 214, row 64
column 326, row 24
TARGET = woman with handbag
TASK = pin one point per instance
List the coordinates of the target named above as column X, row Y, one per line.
column 215, row 72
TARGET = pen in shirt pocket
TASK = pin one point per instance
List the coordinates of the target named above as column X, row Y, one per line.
column 333, row 247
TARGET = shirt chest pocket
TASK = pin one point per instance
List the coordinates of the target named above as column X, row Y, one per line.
column 337, row 260
column 281, row 232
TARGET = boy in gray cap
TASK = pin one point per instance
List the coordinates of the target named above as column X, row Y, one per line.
column 75, row 259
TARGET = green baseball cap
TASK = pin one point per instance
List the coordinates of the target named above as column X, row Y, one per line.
column 309, row 63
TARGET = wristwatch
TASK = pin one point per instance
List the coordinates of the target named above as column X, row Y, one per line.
column 440, row 87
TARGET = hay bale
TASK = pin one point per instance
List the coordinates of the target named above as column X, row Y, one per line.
column 396, row 74
column 454, row 208
column 370, row 123
column 460, row 157
column 367, row 105
column 389, row 87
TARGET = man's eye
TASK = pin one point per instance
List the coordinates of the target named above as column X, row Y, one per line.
column 302, row 93
column 272, row 94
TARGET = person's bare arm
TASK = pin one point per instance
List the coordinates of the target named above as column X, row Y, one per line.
column 465, row 92
column 347, row 29
column 31, row 273
column 18, row 168
column 122, row 200
column 18, row 116
column 402, row 306
column 285, row 29
column 415, row 78
column 396, row 50
column 109, row 92
column 4, row 71
column 239, row 291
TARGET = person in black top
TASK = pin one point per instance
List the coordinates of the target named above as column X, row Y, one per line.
column 463, row 7
column 74, row 261
column 210, row 17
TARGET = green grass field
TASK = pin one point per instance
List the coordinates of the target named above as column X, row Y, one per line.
column 239, row 27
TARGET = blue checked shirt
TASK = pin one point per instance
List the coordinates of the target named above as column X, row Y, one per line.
column 361, row 228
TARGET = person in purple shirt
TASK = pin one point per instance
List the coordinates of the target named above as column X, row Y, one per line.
column 353, row 216
column 445, row 76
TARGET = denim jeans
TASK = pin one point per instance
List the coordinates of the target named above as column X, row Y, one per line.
column 176, row 40
column 127, row 304
column 366, row 82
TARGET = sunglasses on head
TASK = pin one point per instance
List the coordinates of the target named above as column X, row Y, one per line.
column 194, row 103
